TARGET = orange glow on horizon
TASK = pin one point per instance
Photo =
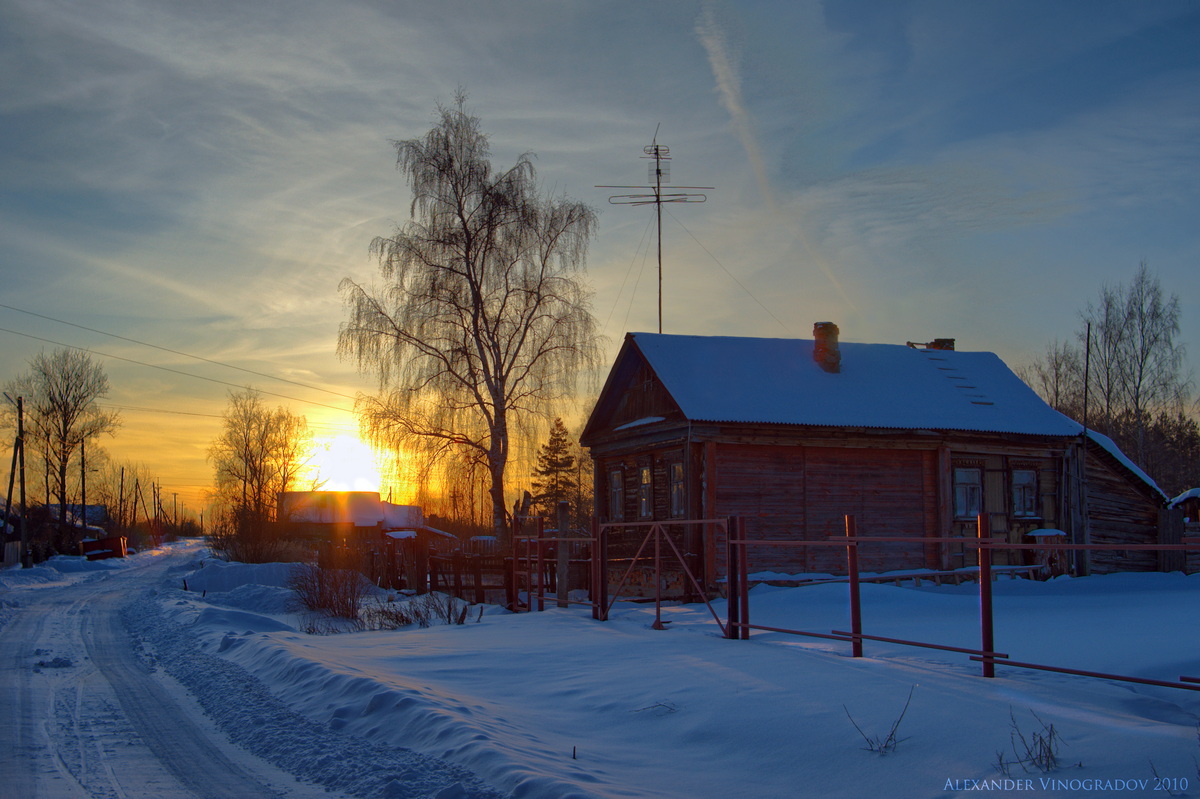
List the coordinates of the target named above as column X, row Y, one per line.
column 342, row 463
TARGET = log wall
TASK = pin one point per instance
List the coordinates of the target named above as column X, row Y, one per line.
column 1119, row 511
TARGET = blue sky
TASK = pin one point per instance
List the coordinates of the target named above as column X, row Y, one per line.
column 202, row 175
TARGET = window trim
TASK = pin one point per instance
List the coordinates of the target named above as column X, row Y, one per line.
column 645, row 493
column 616, row 494
column 1032, row 499
column 676, row 490
column 962, row 501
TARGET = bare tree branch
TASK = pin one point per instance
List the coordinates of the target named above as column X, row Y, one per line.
column 483, row 317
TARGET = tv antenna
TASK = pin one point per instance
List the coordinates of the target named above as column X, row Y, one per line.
column 658, row 172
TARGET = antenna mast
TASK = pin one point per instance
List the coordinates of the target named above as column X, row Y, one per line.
column 658, row 173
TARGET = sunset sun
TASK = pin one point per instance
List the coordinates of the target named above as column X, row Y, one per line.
column 343, row 463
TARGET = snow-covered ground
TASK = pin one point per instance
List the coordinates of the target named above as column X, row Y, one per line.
column 555, row 704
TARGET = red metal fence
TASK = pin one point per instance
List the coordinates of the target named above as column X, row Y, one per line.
column 739, row 624
column 650, row 545
column 655, row 534
column 656, row 549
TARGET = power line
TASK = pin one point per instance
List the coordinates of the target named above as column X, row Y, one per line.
column 173, row 371
column 176, row 352
column 625, row 279
column 159, row 410
column 731, row 275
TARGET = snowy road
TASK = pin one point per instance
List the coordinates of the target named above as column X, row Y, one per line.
column 82, row 716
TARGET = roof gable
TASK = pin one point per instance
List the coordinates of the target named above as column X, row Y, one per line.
column 889, row 386
column 632, row 394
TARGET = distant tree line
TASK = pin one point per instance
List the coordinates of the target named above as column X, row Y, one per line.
column 258, row 455
column 1123, row 374
column 69, row 476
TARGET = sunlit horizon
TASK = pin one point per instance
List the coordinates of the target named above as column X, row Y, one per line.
column 342, row 463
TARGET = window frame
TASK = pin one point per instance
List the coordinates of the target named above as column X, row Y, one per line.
column 676, row 493
column 966, row 490
column 616, row 494
column 645, row 492
column 1024, row 495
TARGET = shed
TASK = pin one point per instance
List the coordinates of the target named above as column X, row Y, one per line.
column 793, row 434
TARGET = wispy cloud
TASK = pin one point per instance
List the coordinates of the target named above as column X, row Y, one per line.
column 729, row 89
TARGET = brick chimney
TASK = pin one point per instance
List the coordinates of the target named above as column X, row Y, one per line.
column 825, row 347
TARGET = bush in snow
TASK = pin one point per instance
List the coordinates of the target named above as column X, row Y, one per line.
column 423, row 611
column 338, row 592
column 1038, row 749
column 883, row 744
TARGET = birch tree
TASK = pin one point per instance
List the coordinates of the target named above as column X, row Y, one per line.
column 1151, row 365
column 62, row 391
column 483, row 316
column 1137, row 388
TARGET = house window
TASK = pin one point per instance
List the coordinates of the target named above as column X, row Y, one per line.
column 968, row 493
column 645, row 493
column 616, row 495
column 1024, row 493
column 676, row 484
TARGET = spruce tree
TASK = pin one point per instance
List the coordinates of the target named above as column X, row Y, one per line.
column 554, row 478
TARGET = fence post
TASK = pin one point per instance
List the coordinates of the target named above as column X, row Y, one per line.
column 732, row 573
column 856, row 645
column 602, row 542
column 743, row 577
column 599, row 591
column 541, row 567
column 987, row 632
column 562, row 580
column 456, row 575
column 512, row 583
column 476, row 562
column 656, row 531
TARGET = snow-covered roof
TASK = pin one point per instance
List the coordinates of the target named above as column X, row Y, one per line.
column 771, row 380
column 1110, row 446
column 360, row 508
column 401, row 534
column 402, row 515
column 1191, row 493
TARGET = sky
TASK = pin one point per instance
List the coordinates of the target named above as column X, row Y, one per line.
column 201, row 176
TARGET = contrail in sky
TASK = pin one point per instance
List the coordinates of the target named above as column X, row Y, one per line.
column 729, row 87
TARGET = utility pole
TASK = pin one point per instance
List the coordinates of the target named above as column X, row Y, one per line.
column 82, row 487
column 659, row 171
column 18, row 466
column 26, row 552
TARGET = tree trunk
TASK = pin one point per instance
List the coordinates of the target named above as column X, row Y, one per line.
column 497, row 460
column 62, row 489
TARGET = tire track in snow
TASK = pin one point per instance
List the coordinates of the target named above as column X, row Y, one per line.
column 260, row 723
column 182, row 748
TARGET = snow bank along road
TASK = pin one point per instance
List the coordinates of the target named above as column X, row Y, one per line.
column 84, row 715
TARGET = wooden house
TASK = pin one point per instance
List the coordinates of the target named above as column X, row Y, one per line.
column 792, row 435
column 1188, row 504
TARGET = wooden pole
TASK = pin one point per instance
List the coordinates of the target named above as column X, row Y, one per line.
column 562, row 582
column 732, row 590
column 739, row 524
column 856, row 646
column 26, row 552
column 987, row 632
